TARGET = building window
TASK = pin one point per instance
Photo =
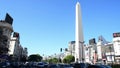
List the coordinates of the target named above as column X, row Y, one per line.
column 86, row 49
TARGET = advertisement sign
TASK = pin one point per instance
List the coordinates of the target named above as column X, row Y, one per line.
column 116, row 34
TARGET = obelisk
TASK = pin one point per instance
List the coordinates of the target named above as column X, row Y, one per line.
column 79, row 35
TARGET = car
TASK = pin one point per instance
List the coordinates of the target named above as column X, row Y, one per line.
column 52, row 66
column 80, row 65
column 95, row 66
column 76, row 65
column 67, row 66
column 106, row 66
column 45, row 64
column 40, row 64
column 4, row 64
column 84, row 65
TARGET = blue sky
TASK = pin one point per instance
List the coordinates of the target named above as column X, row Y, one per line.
column 45, row 26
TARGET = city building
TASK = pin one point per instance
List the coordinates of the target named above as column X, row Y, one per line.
column 88, row 58
column 14, row 42
column 6, row 30
column 101, row 51
column 116, row 44
column 71, row 48
column 108, row 53
column 25, row 53
column 91, row 54
column 16, row 50
column 92, row 51
column 105, row 51
column 100, row 47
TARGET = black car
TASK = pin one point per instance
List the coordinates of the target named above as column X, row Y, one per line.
column 95, row 66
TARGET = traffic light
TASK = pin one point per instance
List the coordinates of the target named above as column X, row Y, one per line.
column 60, row 49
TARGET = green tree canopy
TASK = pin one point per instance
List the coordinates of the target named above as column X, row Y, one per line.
column 69, row 59
column 35, row 57
column 53, row 60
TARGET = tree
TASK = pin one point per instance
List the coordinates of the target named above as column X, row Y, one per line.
column 35, row 57
column 53, row 60
column 50, row 60
column 64, row 60
column 69, row 59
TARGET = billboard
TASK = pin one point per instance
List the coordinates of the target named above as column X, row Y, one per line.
column 92, row 41
column 8, row 19
column 116, row 34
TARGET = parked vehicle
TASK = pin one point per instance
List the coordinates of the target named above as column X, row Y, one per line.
column 40, row 64
column 84, row 65
column 106, row 66
column 52, row 66
column 96, row 66
column 4, row 64
column 67, row 66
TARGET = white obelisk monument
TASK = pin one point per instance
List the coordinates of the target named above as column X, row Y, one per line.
column 79, row 35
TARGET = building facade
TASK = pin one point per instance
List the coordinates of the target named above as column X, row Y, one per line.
column 71, row 48
column 88, row 53
column 108, row 54
column 6, row 30
column 16, row 50
column 116, row 44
